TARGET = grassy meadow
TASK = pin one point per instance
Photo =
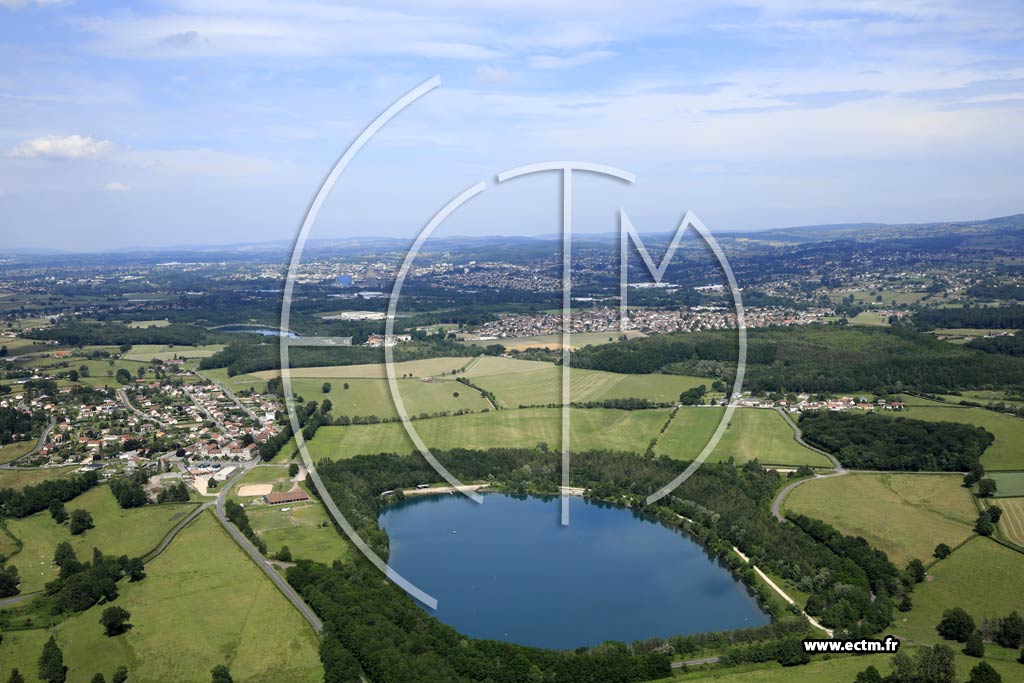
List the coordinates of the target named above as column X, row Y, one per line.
column 148, row 352
column 15, row 450
column 931, row 509
column 131, row 532
column 1005, row 453
column 591, row 429
column 202, row 603
column 19, row 479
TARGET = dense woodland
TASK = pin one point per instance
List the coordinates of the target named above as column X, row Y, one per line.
column 36, row 497
column 886, row 442
column 727, row 505
column 1005, row 345
column 116, row 334
column 986, row 317
column 813, row 358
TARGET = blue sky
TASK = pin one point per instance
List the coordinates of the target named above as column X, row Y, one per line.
column 187, row 122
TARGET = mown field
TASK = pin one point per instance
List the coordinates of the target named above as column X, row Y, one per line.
column 305, row 528
column 554, row 341
column 983, row 577
column 1005, row 453
column 905, row 515
column 590, row 429
column 19, row 479
column 1012, row 522
column 543, row 385
column 15, row 450
column 752, row 433
column 148, row 352
column 131, row 532
column 1008, row 484
column 428, row 367
column 202, row 603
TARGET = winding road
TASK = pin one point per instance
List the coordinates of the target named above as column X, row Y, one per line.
column 38, row 447
column 798, row 434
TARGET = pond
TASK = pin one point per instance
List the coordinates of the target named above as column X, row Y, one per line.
column 507, row 570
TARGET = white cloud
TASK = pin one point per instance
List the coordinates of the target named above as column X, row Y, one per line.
column 61, row 147
column 567, row 62
column 487, row 74
column 115, row 186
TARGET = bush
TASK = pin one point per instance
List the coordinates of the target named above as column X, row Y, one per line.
column 80, row 522
column 956, row 625
column 942, row 551
column 975, row 645
column 984, row 673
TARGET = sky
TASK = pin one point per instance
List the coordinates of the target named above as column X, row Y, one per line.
column 195, row 123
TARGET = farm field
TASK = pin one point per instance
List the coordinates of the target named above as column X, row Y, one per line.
column 591, row 429
column 143, row 324
column 18, row 346
column 131, row 532
column 1008, row 484
column 1012, row 522
column 543, row 386
column 932, row 509
column 148, row 352
column 1005, row 453
column 870, row 319
column 19, row 479
column 15, row 450
column 427, row 367
column 202, row 603
column 554, row 341
column 966, row 579
column 752, row 433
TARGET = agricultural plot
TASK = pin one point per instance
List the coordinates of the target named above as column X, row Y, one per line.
column 1012, row 521
column 1005, row 453
column 203, row 603
column 543, row 386
column 752, row 434
column 620, row 430
column 15, row 450
column 554, row 341
column 19, row 479
column 931, row 509
column 131, row 532
column 427, row 367
column 19, row 346
column 148, row 352
column 983, row 577
column 1008, row 484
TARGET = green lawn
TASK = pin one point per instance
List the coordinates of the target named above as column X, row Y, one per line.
column 427, row 367
column 543, row 386
column 982, row 577
column 132, row 532
column 1005, row 453
column 305, row 528
column 930, row 509
column 13, row 451
column 1009, row 484
column 202, row 603
column 752, row 433
column 590, row 429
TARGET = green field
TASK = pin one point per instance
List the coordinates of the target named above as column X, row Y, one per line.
column 15, row 450
column 130, row 532
column 752, row 433
column 1005, row 453
column 305, row 528
column 554, row 341
column 1009, row 484
column 543, row 386
column 18, row 479
column 982, row 577
column 202, row 603
column 148, row 352
column 591, row 429
column 428, row 367
column 931, row 509
column 1012, row 522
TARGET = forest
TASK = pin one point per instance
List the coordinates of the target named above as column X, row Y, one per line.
column 116, row 334
column 886, row 442
column 985, row 317
column 813, row 358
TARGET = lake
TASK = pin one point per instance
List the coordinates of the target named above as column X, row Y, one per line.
column 507, row 570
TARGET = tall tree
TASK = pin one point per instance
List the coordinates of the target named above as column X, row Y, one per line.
column 51, row 663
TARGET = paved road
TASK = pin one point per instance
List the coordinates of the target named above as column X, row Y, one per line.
column 799, row 436
column 207, row 413
column 128, row 404
column 230, row 394
column 258, row 558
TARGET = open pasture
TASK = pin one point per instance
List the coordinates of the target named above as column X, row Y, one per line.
column 132, row 532
column 554, row 341
column 931, row 509
column 202, row 603
column 590, row 429
column 148, row 352
column 1008, row 484
column 1005, row 452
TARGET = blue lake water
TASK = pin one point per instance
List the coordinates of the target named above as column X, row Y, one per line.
column 511, row 572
